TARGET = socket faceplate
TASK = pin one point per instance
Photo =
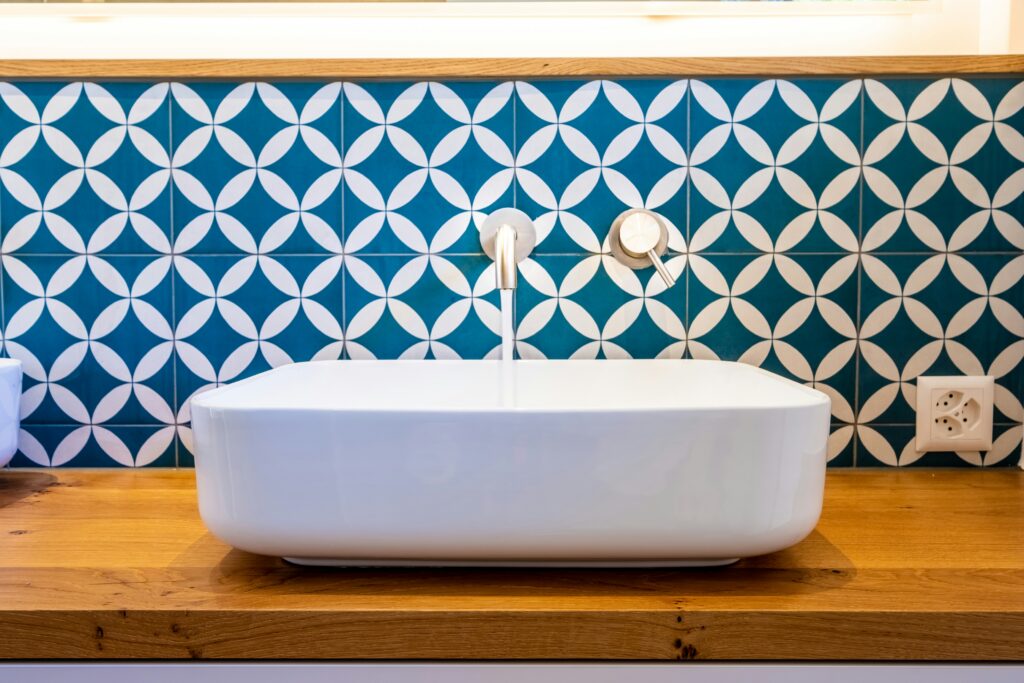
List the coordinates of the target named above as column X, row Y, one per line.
column 954, row 413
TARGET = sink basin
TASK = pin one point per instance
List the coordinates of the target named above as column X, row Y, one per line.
column 10, row 398
column 566, row 463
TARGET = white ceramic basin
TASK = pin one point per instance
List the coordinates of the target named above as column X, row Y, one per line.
column 10, row 398
column 610, row 462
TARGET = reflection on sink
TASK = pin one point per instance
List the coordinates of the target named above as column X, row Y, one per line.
column 610, row 462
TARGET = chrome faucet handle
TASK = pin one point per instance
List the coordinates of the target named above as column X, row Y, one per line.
column 638, row 239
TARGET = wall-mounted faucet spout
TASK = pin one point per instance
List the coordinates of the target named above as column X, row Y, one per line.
column 507, row 236
column 505, row 266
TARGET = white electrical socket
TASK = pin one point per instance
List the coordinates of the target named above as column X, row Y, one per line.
column 954, row 413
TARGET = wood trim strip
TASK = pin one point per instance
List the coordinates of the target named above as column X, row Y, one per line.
column 507, row 67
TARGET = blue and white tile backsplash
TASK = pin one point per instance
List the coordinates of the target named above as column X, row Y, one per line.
column 157, row 239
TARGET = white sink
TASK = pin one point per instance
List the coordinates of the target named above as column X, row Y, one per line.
column 608, row 463
column 10, row 398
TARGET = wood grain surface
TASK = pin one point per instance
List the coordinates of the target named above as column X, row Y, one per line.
column 925, row 565
column 146, row 69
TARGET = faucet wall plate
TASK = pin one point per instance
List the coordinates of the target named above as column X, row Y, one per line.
column 526, row 234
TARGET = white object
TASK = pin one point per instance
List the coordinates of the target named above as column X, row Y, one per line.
column 10, row 398
column 570, row 29
column 954, row 413
column 609, row 462
column 501, row 672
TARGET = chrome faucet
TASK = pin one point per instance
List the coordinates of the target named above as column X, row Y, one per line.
column 507, row 236
column 638, row 239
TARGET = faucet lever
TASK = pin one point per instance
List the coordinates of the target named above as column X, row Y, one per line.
column 639, row 238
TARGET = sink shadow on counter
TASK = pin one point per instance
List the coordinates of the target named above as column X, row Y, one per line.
column 812, row 566
column 16, row 486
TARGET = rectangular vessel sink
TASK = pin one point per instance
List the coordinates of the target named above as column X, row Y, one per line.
column 596, row 463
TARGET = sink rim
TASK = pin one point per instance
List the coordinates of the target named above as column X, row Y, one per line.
column 222, row 399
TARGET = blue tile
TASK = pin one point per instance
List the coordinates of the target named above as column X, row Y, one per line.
column 893, row 445
column 93, row 176
column 948, row 208
column 420, row 307
column 775, row 165
column 268, row 310
column 90, row 353
column 945, row 325
column 257, row 167
column 106, row 446
column 424, row 164
column 760, row 180
column 842, row 445
column 587, row 151
column 763, row 310
column 591, row 307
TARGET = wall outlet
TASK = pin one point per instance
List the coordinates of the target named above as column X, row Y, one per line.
column 954, row 413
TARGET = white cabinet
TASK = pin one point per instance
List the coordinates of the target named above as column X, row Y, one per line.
column 508, row 673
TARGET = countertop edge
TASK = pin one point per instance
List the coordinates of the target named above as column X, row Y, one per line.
column 633, row 635
column 115, row 564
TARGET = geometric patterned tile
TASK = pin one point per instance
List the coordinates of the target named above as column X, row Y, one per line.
column 775, row 165
column 256, row 167
column 418, row 307
column 239, row 315
column 106, row 446
column 424, row 163
column 938, row 314
column 794, row 315
column 893, row 445
column 938, row 156
column 842, row 446
column 594, row 307
column 157, row 239
column 589, row 150
column 84, row 168
column 93, row 335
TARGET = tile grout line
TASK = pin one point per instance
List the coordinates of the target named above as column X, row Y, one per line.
column 860, row 282
column 157, row 424
column 3, row 312
column 480, row 254
column 173, row 274
column 689, row 188
column 515, row 204
column 341, row 228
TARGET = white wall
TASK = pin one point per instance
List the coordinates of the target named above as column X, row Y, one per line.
column 510, row 29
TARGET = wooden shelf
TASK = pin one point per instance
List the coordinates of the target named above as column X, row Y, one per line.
column 925, row 565
column 507, row 68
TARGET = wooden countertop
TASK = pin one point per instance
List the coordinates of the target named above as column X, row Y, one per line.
column 515, row 67
column 903, row 565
